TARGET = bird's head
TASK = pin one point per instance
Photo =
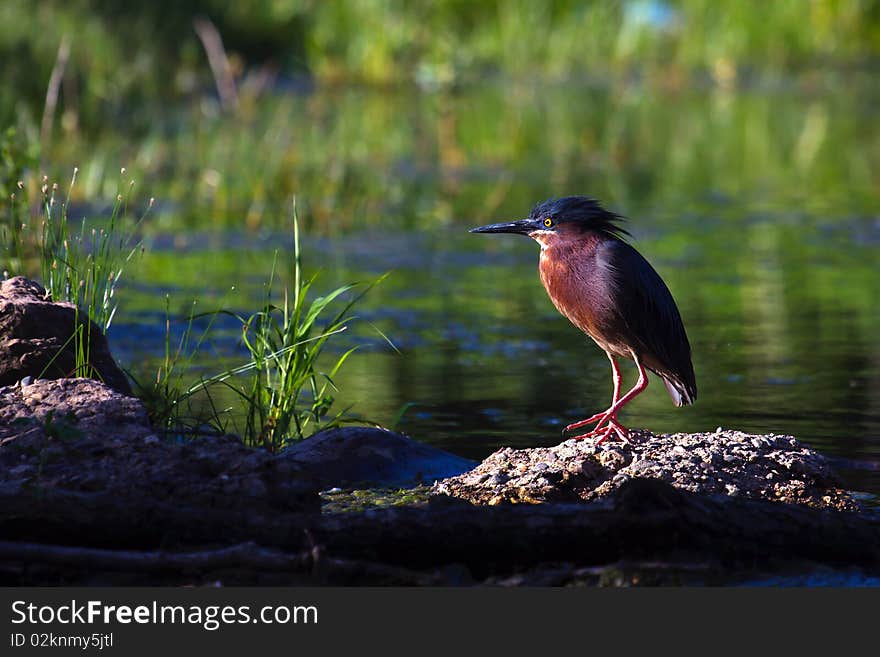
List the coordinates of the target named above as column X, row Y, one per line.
column 567, row 218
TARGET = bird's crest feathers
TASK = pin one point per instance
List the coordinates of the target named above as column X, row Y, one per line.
column 584, row 211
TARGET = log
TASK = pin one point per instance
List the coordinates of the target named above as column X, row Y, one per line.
column 312, row 567
column 645, row 520
column 109, row 520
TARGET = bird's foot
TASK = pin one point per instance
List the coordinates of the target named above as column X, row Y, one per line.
column 613, row 429
column 601, row 418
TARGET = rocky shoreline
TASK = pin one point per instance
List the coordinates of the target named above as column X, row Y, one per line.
column 91, row 494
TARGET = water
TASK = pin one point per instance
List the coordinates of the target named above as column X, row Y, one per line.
column 759, row 209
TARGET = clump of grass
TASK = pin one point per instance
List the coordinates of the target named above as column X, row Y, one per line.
column 168, row 397
column 286, row 395
column 84, row 268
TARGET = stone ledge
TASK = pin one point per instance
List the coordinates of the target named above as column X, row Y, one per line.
column 767, row 467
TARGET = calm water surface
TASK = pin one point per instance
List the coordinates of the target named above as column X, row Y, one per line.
column 764, row 224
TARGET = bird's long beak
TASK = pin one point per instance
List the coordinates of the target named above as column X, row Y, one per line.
column 521, row 227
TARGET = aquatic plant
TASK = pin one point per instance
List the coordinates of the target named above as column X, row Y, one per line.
column 286, row 394
column 84, row 268
column 285, row 389
column 81, row 267
column 169, row 395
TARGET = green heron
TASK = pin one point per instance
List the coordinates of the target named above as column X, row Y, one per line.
column 610, row 292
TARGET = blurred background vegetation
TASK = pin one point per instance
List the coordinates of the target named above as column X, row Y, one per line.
column 455, row 85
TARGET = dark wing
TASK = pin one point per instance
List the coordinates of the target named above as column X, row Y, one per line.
column 648, row 319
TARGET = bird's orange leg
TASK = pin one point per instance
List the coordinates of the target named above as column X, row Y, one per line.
column 615, row 374
column 609, row 417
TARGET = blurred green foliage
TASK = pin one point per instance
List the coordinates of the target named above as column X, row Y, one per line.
column 126, row 55
column 608, row 96
column 359, row 157
column 17, row 155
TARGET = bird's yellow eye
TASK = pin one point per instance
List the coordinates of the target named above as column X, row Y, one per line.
column 548, row 222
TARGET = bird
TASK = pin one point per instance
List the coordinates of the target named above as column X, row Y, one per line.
column 607, row 289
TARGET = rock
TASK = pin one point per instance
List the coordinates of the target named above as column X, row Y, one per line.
column 78, row 435
column 776, row 468
column 370, row 456
column 68, row 408
column 35, row 338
